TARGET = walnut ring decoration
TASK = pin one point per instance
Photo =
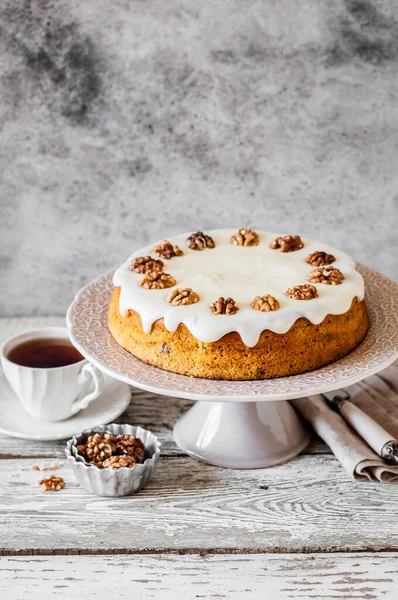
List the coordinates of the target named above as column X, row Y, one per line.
column 287, row 243
column 157, row 281
column 224, row 306
column 166, row 250
column 245, row 237
column 145, row 264
column 328, row 275
column 320, row 259
column 265, row 303
column 200, row 241
column 183, row 297
column 302, row 292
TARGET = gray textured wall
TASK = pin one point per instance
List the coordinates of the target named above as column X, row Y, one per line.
column 124, row 121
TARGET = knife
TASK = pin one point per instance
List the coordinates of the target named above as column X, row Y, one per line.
column 374, row 435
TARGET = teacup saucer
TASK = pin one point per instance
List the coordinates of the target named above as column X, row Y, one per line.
column 15, row 422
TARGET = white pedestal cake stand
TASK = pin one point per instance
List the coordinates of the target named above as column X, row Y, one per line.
column 238, row 424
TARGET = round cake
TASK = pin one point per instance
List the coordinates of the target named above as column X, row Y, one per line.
column 238, row 304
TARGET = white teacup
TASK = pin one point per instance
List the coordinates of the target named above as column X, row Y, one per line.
column 51, row 394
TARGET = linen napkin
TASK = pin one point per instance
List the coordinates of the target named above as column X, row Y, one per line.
column 378, row 397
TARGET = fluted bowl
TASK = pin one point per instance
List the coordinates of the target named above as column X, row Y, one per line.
column 108, row 482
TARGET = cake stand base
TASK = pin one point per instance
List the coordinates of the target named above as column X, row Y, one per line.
column 241, row 435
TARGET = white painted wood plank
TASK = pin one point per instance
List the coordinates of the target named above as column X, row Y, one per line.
column 188, row 577
column 308, row 504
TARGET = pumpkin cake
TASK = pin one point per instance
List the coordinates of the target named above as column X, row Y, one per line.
column 238, row 305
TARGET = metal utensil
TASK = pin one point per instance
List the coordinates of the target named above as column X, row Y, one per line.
column 374, row 435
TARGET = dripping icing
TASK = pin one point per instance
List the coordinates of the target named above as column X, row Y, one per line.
column 240, row 272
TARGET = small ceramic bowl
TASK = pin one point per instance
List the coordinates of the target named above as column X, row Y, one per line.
column 108, row 482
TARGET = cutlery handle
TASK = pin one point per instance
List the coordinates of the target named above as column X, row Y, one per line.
column 373, row 434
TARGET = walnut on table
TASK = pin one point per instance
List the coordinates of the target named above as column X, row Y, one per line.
column 302, row 292
column 183, row 297
column 52, row 467
column 265, row 303
column 157, row 281
column 287, row 243
column 327, row 275
column 52, row 484
column 200, row 241
column 146, row 264
column 165, row 249
column 320, row 259
column 245, row 237
column 224, row 306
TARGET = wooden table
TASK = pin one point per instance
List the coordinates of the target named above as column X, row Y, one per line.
column 299, row 530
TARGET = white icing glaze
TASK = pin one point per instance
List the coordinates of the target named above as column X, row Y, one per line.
column 240, row 272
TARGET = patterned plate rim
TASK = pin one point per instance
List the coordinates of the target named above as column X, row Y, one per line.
column 87, row 323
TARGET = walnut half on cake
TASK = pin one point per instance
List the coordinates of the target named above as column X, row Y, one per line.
column 296, row 332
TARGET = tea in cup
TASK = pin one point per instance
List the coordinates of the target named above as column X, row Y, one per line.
column 52, row 380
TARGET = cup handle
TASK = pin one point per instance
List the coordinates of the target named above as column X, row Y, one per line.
column 88, row 371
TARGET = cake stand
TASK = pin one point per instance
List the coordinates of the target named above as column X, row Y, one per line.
column 238, row 424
